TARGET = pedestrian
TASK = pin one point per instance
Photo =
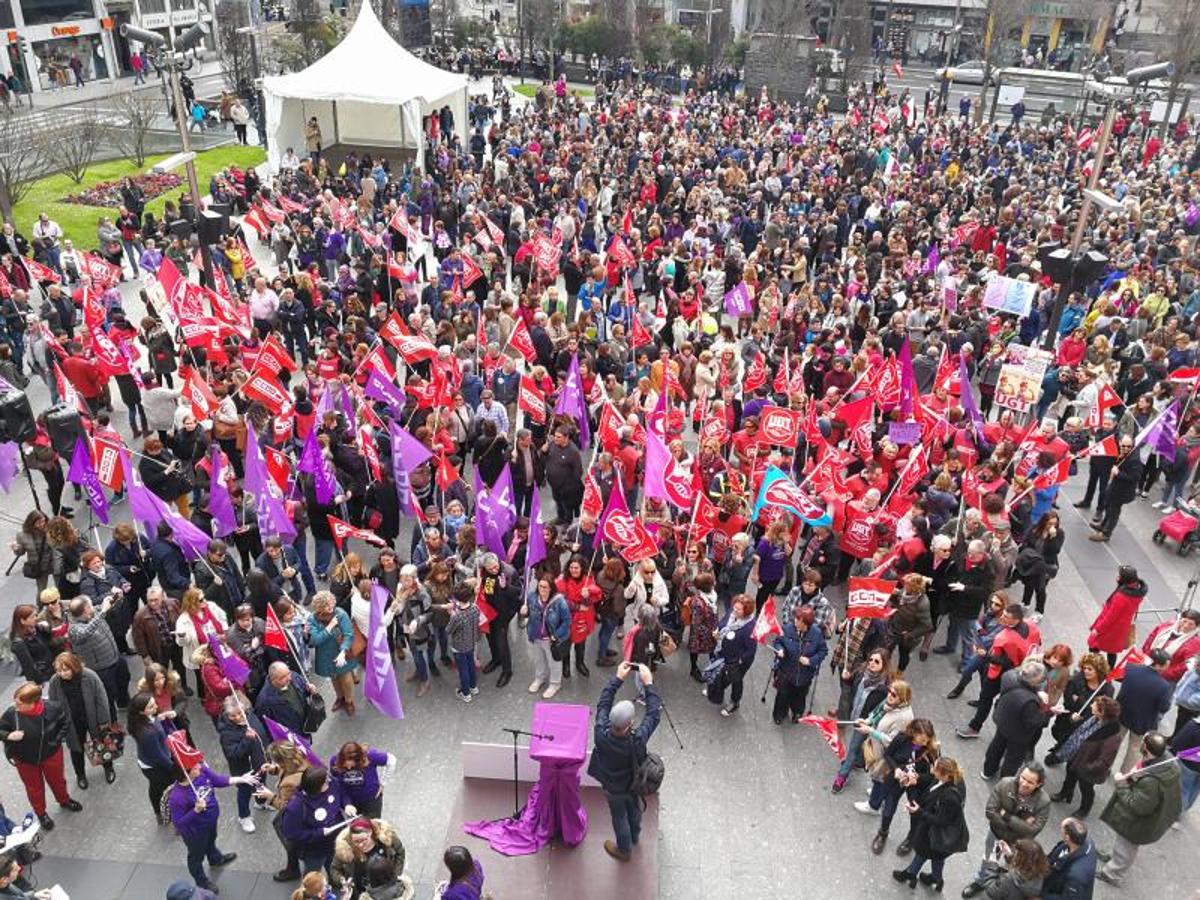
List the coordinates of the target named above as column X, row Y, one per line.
column 80, row 692
column 548, row 629
column 1072, row 863
column 903, row 768
column 619, row 750
column 1142, row 808
column 735, row 652
column 466, row 875
column 195, row 812
column 940, row 828
column 356, row 769
column 1017, row 810
column 33, row 731
column 308, row 817
column 363, row 851
column 1022, row 710
column 799, row 652
column 464, row 630
column 1110, row 631
column 1090, row 751
column 244, row 740
column 1145, row 697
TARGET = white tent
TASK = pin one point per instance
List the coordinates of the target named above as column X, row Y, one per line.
column 366, row 90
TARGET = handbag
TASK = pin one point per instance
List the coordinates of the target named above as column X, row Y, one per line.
column 667, row 645
column 314, row 716
column 559, row 649
column 357, row 644
column 712, row 670
column 870, row 754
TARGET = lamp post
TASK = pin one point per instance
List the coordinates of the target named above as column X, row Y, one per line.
column 172, row 58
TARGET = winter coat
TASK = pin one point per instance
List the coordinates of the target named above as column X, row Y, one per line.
column 272, row 705
column 330, row 640
column 557, row 615
column 810, row 645
column 1008, row 812
column 305, row 819
column 939, row 827
column 171, row 567
column 1096, row 755
column 186, row 636
column 739, row 649
column 242, row 752
column 42, row 735
column 1072, row 873
column 1019, row 714
column 346, row 869
column 911, row 621
column 1113, row 626
column 222, row 583
column 95, row 707
column 1142, row 808
column 36, row 651
column 1145, row 698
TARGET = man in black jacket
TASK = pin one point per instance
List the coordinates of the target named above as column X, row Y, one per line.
column 1022, row 711
column 1099, row 468
column 564, row 473
column 1072, row 864
column 968, row 585
column 1126, row 474
column 169, row 563
column 618, row 750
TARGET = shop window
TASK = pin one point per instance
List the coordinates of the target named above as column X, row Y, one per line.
column 6, row 15
column 43, row 12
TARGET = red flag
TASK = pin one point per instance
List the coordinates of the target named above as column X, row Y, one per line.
column 487, row 612
column 1084, row 139
column 278, row 468
column 471, row 272
column 531, row 400
column 1056, row 474
column 272, row 357
column 199, row 394
column 627, row 221
column 399, row 222
column 854, row 414
column 779, row 426
column 342, row 530
column 446, row 473
column 1190, row 377
column 869, row 598
column 39, row 272
column 414, row 348
column 610, row 423
column 257, row 220
column 401, row 270
column 1131, row 657
column 274, row 636
column 623, row 531
column 827, row 725
column 705, row 519
column 185, row 754
column 620, row 253
column 394, row 330
column 264, row 388
column 108, row 355
column 767, row 623
column 885, row 384
column 639, row 336
column 522, row 341
column 494, row 230
column 897, row 69
column 107, row 450
column 914, row 470
column 1106, row 399
column 756, row 375
column 593, row 501
column 1106, row 447
column 377, row 359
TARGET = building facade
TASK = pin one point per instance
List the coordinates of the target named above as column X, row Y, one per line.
column 51, row 44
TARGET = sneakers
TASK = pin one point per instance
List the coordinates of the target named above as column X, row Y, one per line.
column 535, row 687
column 985, row 776
column 465, row 698
column 967, row 733
column 551, row 691
column 865, row 808
column 728, row 711
column 1157, row 504
column 838, row 783
column 247, row 825
column 1099, row 537
column 475, row 690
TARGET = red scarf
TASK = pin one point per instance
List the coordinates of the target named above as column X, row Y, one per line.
column 37, row 709
column 202, row 618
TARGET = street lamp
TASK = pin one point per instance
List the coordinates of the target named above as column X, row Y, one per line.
column 172, row 59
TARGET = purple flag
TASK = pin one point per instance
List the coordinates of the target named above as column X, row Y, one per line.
column 348, row 407
column 220, row 504
column 6, row 387
column 967, row 394
column 312, row 461
column 1191, row 754
column 279, row 733
column 1192, row 216
column 379, row 685
column 504, row 504
column 272, row 517
column 231, row 665
column 658, row 458
column 411, row 451
column 399, row 473
column 571, row 402
column 1162, row 434
column 908, row 382
column 932, row 260
column 10, row 463
column 84, row 474
column 737, row 300
column 149, row 509
column 380, row 387
column 535, row 550
column 487, row 525
column 325, row 403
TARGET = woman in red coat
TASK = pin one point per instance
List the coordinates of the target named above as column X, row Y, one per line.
column 582, row 594
column 1111, row 632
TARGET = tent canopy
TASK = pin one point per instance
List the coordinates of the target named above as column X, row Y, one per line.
column 367, row 89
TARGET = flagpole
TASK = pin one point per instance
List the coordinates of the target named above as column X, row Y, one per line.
column 1120, row 662
column 186, row 774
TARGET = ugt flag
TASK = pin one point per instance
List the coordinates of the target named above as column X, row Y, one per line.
column 779, row 490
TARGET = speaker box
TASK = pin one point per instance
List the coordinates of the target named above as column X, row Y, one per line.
column 223, row 209
column 187, row 209
column 17, row 415
column 64, row 427
column 213, row 227
column 181, row 228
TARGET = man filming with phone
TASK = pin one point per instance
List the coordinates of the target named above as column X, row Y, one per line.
column 618, row 752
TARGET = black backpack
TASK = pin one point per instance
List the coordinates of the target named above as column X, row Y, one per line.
column 647, row 776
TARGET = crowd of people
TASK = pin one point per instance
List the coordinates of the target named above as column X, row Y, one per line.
column 638, row 375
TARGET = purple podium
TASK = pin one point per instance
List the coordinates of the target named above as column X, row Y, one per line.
column 554, row 807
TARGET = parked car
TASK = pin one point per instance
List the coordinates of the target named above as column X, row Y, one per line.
column 969, row 72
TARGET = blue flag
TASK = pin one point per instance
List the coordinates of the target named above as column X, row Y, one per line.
column 779, row 490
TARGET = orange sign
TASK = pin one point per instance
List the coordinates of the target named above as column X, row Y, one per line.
column 64, row 30
column 106, row 24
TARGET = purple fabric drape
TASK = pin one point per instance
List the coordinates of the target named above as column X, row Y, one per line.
column 554, row 808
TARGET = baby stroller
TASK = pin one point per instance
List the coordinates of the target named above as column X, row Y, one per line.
column 1181, row 525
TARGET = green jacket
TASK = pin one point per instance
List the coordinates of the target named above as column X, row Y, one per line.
column 1141, row 810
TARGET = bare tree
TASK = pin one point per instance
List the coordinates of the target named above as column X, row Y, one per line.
column 1182, row 46
column 137, row 113
column 850, row 34
column 23, row 159
column 782, row 20
column 1002, row 18
column 73, row 145
column 236, row 47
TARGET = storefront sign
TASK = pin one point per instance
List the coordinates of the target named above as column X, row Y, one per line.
column 184, row 17
column 155, row 20
column 65, row 30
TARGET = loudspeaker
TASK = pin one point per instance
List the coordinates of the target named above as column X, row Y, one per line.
column 187, row 209
column 213, row 227
column 223, row 209
column 17, row 416
column 64, row 427
column 181, row 228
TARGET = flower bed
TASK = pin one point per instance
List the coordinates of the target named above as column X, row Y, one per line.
column 108, row 193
